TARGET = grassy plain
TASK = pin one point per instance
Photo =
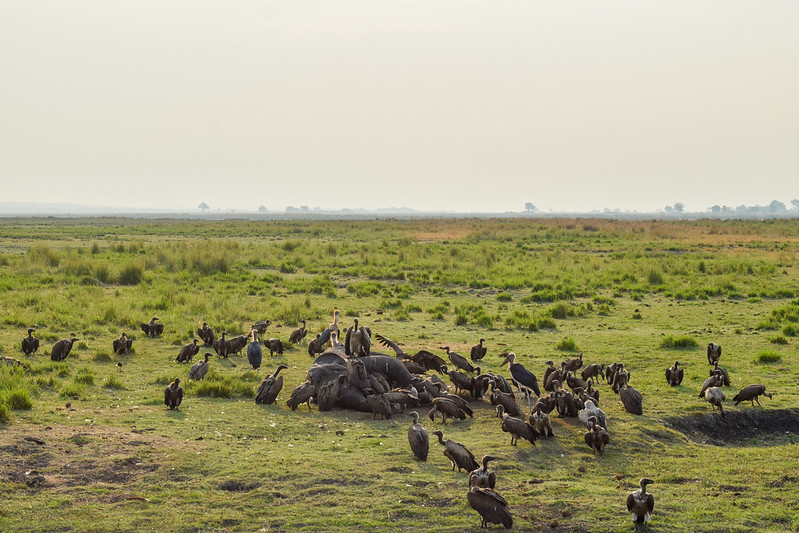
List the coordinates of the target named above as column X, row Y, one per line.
column 632, row 291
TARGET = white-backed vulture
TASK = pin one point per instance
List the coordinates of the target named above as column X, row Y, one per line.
column 674, row 374
column 122, row 345
column 457, row 454
column 298, row 334
column 270, row 387
column 516, row 427
column 199, row 370
column 206, row 334
column 478, row 351
column 751, row 392
column 30, row 343
column 632, row 400
column 715, row 397
column 592, row 411
column 418, row 438
column 596, row 437
column 713, row 353
column 574, row 364
column 492, row 507
column 173, row 394
column 188, row 351
column 640, row 503
column 302, row 394
column 483, row 477
column 460, row 361
column 62, row 348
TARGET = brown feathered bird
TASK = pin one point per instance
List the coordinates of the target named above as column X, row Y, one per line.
column 188, row 351
column 122, row 345
column 715, row 397
column 62, row 348
column 597, row 437
column 750, row 393
column 199, row 370
column 152, row 328
column 30, row 343
column 492, row 507
column 713, row 353
column 270, row 387
column 328, row 393
column 173, row 394
column 640, row 503
column 418, row 438
column 447, row 408
column 298, row 334
column 483, row 477
column 206, row 334
column 674, row 374
column 457, row 454
column 632, row 400
column 478, row 351
column 516, row 427
column 302, row 394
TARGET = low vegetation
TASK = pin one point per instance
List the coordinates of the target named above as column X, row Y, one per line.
column 644, row 293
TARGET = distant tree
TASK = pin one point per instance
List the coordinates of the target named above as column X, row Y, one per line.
column 529, row 207
column 291, row 209
column 262, row 209
column 716, row 209
column 668, row 209
column 678, row 207
column 304, row 208
column 776, row 207
column 740, row 209
column 795, row 204
column 203, row 207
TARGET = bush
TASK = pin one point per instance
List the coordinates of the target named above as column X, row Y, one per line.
column 561, row 310
column 5, row 413
column 654, row 277
column 131, row 274
column 779, row 339
column 682, row 342
column 113, row 382
column 567, row 344
column 767, row 356
column 17, row 399
column 789, row 330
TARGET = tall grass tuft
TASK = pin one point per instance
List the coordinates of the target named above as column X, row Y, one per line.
column 767, row 357
column 17, row 399
column 567, row 344
column 131, row 274
column 74, row 390
column 5, row 413
column 682, row 342
column 113, row 382
column 225, row 387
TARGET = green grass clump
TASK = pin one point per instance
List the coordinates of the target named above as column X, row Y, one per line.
column 683, row 342
column 567, row 344
column 5, row 413
column 779, row 339
column 789, row 330
column 85, row 377
column 17, row 399
column 102, row 357
column 113, row 382
column 131, row 274
column 767, row 356
column 504, row 297
column 74, row 390
column 225, row 387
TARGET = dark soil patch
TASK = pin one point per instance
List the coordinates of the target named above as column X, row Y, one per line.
column 748, row 427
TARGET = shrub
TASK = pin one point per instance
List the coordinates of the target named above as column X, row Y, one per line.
column 682, row 342
column 567, row 344
column 779, row 339
column 5, row 413
column 789, row 330
column 504, row 297
column 17, row 398
column 113, row 382
column 561, row 310
column 767, row 356
column 131, row 274
column 654, row 277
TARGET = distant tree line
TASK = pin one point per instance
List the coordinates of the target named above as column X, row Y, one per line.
column 774, row 208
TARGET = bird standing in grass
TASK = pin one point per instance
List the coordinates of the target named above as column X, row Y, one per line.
column 30, row 343
column 640, row 503
column 254, row 352
column 173, row 394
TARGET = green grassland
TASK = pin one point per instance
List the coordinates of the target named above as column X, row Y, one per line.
column 641, row 292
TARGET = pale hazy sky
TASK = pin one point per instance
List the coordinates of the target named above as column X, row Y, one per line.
column 464, row 105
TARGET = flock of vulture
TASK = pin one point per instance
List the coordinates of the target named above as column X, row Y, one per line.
column 350, row 375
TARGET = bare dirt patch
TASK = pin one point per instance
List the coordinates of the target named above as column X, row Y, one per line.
column 59, row 458
column 747, row 427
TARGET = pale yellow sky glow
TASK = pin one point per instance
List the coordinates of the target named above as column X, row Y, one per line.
column 432, row 105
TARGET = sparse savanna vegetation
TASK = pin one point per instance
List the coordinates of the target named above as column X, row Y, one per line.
column 87, row 444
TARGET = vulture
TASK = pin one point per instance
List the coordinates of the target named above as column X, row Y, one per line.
column 122, row 344
column 315, row 346
column 751, row 392
column 632, row 400
column 596, row 437
column 574, row 364
column 30, row 343
column 302, row 394
column 640, row 503
column 480, row 385
column 516, row 427
column 457, row 454
column 460, row 361
column 566, row 403
column 402, row 397
column 725, row 376
column 62, row 348
column 221, row 345
column 620, row 378
column 418, row 438
column 327, row 393
column 715, row 397
column 416, row 364
column 575, row 382
column 199, row 370
column 358, row 375
column 522, row 377
column 482, row 477
column 715, row 380
column 151, row 328
column 674, row 374
column 592, row 411
column 275, row 346
column 261, row 326
column 358, row 341
column 612, row 370
column 379, row 404
column 173, row 394
column 492, row 507
column 550, row 369
column 254, row 353
column 206, row 334
column 298, row 334
column 478, row 351
column 593, row 370
column 188, row 351
column 540, row 421
column 462, row 404
column 505, row 400
column 448, row 409
column 592, row 393
column 713, row 353
column 270, row 387
column 461, row 381
column 236, row 344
